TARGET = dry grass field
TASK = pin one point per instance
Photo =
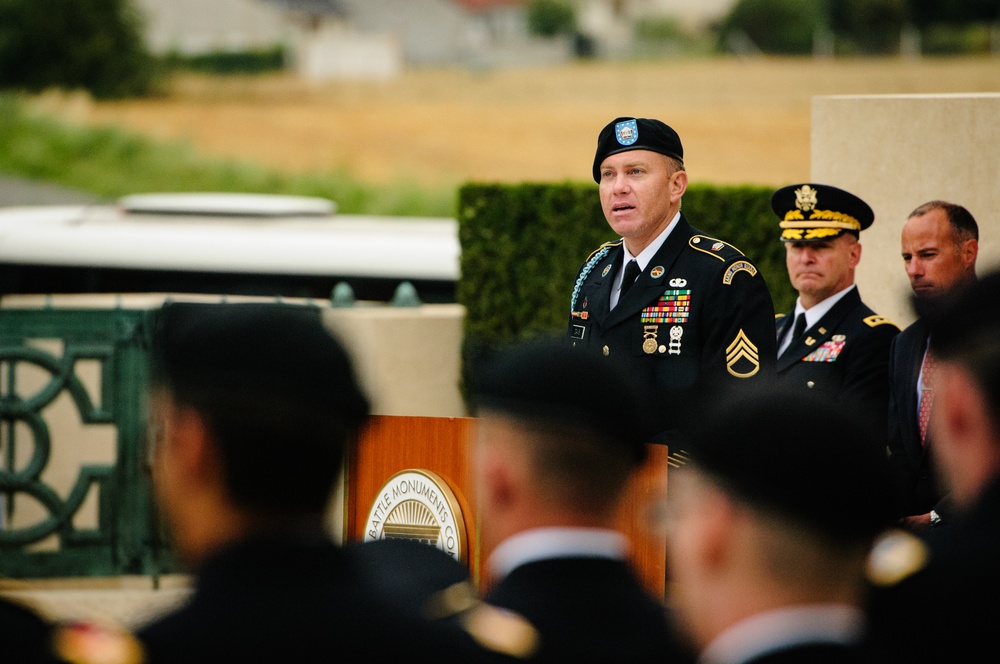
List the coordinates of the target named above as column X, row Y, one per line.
column 741, row 121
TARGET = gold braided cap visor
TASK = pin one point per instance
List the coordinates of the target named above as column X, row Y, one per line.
column 821, row 224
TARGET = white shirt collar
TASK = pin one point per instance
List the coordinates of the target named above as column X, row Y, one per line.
column 647, row 254
column 817, row 311
column 813, row 315
column 543, row 543
column 783, row 628
column 643, row 259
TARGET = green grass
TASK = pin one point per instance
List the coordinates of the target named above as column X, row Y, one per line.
column 110, row 162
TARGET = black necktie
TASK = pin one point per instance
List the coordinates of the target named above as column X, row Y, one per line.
column 631, row 272
column 800, row 326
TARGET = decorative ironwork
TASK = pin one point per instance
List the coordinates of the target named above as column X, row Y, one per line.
column 42, row 523
column 13, row 408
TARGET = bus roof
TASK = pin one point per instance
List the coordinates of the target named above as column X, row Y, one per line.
column 244, row 234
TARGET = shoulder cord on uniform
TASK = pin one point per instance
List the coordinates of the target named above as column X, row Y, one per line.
column 594, row 260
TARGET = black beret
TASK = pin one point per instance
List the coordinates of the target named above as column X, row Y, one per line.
column 795, row 455
column 547, row 380
column 811, row 212
column 263, row 352
column 624, row 134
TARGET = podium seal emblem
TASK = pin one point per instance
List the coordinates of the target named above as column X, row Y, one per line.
column 419, row 505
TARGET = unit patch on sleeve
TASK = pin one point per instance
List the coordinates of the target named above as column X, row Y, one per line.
column 738, row 266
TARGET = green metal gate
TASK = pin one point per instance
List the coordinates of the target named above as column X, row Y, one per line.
column 75, row 494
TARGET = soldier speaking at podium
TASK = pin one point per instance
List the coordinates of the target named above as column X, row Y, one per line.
column 678, row 308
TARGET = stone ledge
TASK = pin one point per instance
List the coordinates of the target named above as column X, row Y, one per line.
column 127, row 601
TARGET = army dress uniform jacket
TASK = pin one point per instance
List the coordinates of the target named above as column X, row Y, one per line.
column 294, row 600
column 589, row 609
column 910, row 460
column 844, row 358
column 699, row 315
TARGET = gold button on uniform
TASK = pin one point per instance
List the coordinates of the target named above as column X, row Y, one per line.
column 607, row 351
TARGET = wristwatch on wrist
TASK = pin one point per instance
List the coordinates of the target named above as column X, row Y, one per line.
column 935, row 518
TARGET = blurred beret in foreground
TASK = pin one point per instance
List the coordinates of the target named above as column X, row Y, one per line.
column 276, row 354
column 797, row 456
column 549, row 381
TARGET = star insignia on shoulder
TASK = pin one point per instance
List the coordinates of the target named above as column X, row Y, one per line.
column 875, row 320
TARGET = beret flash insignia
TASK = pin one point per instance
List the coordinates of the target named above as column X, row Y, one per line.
column 627, row 132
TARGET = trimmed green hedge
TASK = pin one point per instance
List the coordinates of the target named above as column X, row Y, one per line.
column 250, row 61
column 522, row 246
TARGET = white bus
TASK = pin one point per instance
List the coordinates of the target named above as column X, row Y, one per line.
column 238, row 244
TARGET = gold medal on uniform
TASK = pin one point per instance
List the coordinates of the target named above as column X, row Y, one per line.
column 650, row 344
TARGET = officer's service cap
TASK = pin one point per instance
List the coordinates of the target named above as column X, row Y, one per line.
column 625, row 133
column 274, row 354
column 812, row 212
column 548, row 381
column 794, row 455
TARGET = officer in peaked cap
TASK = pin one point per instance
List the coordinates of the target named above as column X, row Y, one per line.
column 679, row 309
column 831, row 344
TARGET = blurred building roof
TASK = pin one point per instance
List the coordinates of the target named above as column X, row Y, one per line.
column 312, row 6
column 338, row 6
column 483, row 5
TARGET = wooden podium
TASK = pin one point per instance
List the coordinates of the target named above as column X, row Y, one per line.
column 400, row 457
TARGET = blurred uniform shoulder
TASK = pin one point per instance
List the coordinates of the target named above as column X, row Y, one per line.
column 85, row 642
column 498, row 631
column 896, row 556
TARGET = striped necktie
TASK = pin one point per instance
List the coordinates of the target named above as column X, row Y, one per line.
column 926, row 393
